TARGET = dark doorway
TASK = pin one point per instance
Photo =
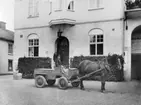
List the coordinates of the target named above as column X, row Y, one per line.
column 136, row 54
column 10, row 63
column 62, row 49
column 136, row 67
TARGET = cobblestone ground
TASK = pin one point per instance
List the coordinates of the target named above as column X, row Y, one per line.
column 24, row 92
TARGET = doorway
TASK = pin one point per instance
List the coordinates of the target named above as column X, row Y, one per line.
column 136, row 54
column 62, row 49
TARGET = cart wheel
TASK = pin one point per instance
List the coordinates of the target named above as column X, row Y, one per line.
column 63, row 83
column 51, row 82
column 40, row 81
column 74, row 84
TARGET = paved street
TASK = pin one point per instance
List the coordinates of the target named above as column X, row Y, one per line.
column 24, row 92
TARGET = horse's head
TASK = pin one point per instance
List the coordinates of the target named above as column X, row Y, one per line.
column 114, row 61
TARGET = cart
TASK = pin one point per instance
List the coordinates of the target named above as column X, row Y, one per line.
column 44, row 76
column 48, row 77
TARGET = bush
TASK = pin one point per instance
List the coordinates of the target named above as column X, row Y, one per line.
column 117, row 75
column 26, row 65
column 133, row 4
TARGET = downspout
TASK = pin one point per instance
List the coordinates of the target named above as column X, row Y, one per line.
column 125, row 27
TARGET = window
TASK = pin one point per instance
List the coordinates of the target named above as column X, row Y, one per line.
column 96, row 42
column 58, row 5
column 50, row 7
column 70, row 5
column 10, row 48
column 10, row 65
column 94, row 4
column 33, row 8
column 33, row 46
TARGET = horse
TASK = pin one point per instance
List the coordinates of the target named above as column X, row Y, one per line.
column 86, row 66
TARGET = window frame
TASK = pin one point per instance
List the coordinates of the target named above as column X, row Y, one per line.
column 59, row 5
column 97, row 7
column 10, row 60
column 33, row 8
column 96, row 43
column 33, row 43
column 10, row 48
column 73, row 5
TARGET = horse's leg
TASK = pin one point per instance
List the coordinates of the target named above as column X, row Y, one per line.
column 81, row 84
column 103, row 78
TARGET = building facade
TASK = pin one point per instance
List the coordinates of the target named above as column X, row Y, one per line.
column 72, row 28
column 6, row 52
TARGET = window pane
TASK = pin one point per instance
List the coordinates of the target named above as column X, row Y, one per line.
column 100, row 38
column 30, row 42
column 58, row 4
column 10, row 48
column 92, row 49
column 33, row 8
column 36, row 13
column 36, row 51
column 71, row 5
column 36, row 42
column 99, row 49
column 92, row 39
column 31, row 51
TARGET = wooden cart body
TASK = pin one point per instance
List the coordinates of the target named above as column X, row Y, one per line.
column 49, row 76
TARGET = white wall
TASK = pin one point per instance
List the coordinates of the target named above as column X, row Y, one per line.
column 47, row 39
column 112, row 9
column 4, row 56
column 78, row 38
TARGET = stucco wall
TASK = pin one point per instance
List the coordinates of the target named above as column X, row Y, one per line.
column 111, row 9
column 78, row 39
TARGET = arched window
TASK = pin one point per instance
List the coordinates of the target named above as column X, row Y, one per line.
column 33, row 45
column 71, row 5
column 96, row 42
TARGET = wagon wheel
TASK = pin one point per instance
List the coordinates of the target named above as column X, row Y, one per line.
column 51, row 82
column 63, row 83
column 74, row 84
column 40, row 81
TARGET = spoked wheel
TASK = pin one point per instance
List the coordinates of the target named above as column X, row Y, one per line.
column 75, row 84
column 51, row 82
column 63, row 83
column 40, row 81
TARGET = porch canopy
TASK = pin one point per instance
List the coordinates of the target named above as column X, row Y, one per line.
column 62, row 22
column 133, row 13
